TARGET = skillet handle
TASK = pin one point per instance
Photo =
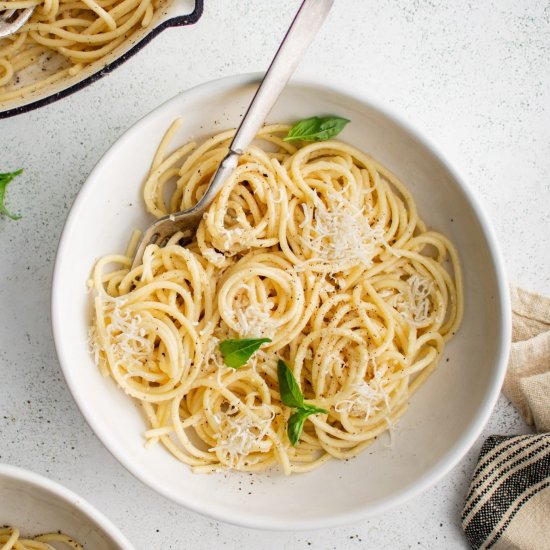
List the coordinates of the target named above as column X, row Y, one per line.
column 182, row 20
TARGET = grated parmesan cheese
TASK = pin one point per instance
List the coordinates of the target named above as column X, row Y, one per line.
column 342, row 233
column 365, row 397
column 215, row 258
column 415, row 307
column 421, row 289
column 130, row 345
column 362, row 401
column 241, row 434
column 212, row 353
column 93, row 345
column 250, row 320
column 415, row 303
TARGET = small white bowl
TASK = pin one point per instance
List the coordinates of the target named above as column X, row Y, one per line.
column 445, row 416
column 35, row 504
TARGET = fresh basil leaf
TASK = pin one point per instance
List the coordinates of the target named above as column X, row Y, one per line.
column 296, row 421
column 290, row 392
column 237, row 352
column 295, row 426
column 6, row 178
column 291, row 396
column 316, row 128
column 312, row 409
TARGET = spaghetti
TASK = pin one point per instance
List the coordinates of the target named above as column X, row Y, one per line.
column 63, row 36
column 10, row 538
column 317, row 247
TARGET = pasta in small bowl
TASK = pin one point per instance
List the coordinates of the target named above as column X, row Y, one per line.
column 68, row 44
column 313, row 335
column 37, row 513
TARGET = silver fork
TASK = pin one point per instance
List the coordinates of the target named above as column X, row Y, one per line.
column 12, row 20
column 303, row 29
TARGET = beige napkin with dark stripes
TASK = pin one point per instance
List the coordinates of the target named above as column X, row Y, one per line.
column 508, row 504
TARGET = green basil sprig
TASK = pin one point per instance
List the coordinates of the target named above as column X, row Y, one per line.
column 6, row 178
column 296, row 421
column 237, row 352
column 316, row 128
column 290, row 392
column 291, row 396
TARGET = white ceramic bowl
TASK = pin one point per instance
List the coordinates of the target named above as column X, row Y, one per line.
column 35, row 504
column 445, row 416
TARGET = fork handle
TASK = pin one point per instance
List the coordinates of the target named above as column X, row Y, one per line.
column 299, row 36
column 303, row 29
column 301, row 33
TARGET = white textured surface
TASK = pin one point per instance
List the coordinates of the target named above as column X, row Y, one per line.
column 474, row 76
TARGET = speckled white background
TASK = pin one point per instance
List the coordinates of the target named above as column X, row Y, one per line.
column 475, row 76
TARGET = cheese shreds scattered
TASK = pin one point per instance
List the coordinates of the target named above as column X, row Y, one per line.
column 416, row 305
column 240, row 435
column 215, row 258
column 93, row 345
column 254, row 322
column 131, row 346
column 342, row 234
column 212, row 354
column 234, row 236
column 250, row 320
column 365, row 398
column 361, row 402
column 421, row 289
column 226, row 239
column 377, row 382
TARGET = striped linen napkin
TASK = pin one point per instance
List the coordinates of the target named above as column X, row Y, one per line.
column 508, row 504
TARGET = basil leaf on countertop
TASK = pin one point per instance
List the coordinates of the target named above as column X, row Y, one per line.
column 316, row 128
column 237, row 352
column 6, row 178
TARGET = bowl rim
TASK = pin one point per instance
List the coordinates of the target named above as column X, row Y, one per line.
column 69, row 497
column 174, row 21
column 450, row 459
